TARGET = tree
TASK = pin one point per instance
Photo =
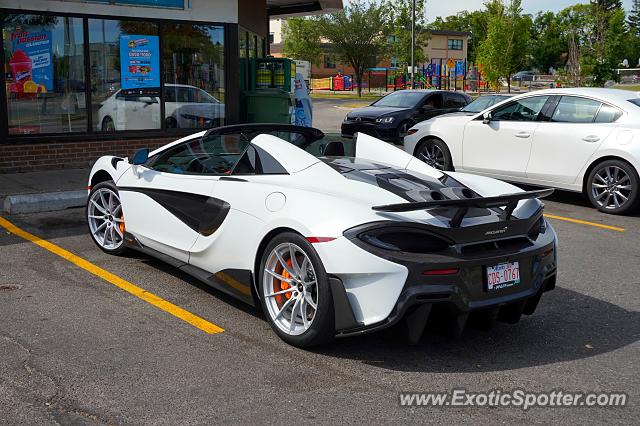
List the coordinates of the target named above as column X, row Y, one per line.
column 634, row 18
column 358, row 34
column 504, row 50
column 608, row 5
column 549, row 46
column 399, row 13
column 301, row 39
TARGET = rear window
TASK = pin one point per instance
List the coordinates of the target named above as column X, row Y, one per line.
column 635, row 101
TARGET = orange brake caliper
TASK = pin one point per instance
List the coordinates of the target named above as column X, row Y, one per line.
column 283, row 284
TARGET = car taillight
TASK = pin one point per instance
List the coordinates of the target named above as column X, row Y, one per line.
column 412, row 131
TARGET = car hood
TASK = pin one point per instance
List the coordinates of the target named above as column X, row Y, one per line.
column 374, row 112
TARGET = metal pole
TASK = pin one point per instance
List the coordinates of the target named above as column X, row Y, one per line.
column 413, row 42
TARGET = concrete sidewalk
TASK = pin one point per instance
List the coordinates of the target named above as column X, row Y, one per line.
column 43, row 191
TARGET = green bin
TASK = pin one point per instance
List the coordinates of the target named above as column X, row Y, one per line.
column 268, row 106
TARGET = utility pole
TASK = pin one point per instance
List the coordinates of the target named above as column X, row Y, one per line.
column 413, row 43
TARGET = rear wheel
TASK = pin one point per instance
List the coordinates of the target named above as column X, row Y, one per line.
column 294, row 292
column 612, row 187
column 105, row 218
column 436, row 154
column 108, row 125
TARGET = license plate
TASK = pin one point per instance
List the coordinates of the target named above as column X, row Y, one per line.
column 502, row 276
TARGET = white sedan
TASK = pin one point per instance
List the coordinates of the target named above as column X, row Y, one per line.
column 584, row 140
column 185, row 107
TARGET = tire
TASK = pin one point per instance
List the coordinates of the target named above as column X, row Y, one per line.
column 279, row 308
column 105, row 219
column 435, row 153
column 171, row 123
column 108, row 125
column 612, row 187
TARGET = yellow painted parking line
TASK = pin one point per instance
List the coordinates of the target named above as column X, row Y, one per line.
column 584, row 222
column 138, row 292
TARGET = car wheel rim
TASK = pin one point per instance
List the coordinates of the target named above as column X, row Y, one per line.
column 433, row 156
column 106, row 221
column 109, row 126
column 290, row 289
column 611, row 187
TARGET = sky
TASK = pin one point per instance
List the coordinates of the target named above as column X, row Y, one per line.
column 451, row 7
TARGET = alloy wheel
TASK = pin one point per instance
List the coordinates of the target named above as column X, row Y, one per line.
column 106, row 221
column 432, row 155
column 290, row 289
column 611, row 187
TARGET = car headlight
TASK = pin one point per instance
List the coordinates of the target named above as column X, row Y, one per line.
column 385, row 120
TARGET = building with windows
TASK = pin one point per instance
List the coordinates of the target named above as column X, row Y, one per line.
column 445, row 45
column 85, row 78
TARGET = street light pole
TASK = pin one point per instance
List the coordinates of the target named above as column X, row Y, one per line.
column 413, row 43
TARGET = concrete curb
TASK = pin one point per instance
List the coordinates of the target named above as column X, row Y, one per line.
column 44, row 202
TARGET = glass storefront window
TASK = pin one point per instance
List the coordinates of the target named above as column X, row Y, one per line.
column 44, row 74
column 193, row 61
column 128, row 49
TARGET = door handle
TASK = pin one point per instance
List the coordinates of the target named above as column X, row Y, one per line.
column 523, row 135
column 591, row 138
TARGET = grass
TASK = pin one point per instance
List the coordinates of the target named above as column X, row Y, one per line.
column 631, row 87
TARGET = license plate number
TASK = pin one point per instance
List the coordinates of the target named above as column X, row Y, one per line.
column 502, row 276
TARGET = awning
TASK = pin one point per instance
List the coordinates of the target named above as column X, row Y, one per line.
column 284, row 8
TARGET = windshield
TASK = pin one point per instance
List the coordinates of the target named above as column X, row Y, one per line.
column 482, row 103
column 401, row 99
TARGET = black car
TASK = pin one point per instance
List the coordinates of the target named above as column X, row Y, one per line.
column 390, row 117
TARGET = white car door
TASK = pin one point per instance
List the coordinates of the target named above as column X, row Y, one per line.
column 501, row 146
column 170, row 201
column 562, row 145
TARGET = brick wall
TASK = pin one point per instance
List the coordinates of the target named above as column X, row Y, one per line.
column 67, row 155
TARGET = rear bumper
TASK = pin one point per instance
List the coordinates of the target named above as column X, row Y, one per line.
column 466, row 292
column 350, row 128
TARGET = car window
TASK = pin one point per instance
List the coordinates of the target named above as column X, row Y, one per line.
column 256, row 161
column 573, row 109
column 209, row 155
column 483, row 102
column 526, row 109
column 400, row 99
column 608, row 114
column 434, row 100
column 636, row 101
column 454, row 101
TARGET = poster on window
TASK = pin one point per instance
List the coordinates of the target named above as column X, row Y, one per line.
column 140, row 63
column 30, row 62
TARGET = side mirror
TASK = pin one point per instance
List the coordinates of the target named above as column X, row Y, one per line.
column 486, row 118
column 140, row 157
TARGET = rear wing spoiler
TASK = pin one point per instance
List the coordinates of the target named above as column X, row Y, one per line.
column 508, row 201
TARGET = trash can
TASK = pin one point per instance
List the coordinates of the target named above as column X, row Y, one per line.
column 268, row 106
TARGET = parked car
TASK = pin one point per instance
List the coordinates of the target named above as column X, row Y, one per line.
column 390, row 117
column 524, row 76
column 185, row 107
column 329, row 239
column 585, row 139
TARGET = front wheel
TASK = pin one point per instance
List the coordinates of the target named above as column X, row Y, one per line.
column 612, row 187
column 294, row 292
column 436, row 154
column 105, row 218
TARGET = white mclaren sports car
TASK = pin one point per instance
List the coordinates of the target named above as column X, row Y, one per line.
column 331, row 238
column 584, row 140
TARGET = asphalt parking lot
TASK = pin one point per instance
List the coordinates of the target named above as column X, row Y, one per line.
column 80, row 347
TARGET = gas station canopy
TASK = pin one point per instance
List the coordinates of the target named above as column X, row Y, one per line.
column 285, row 8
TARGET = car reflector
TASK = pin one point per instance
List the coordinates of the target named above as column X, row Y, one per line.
column 320, row 239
